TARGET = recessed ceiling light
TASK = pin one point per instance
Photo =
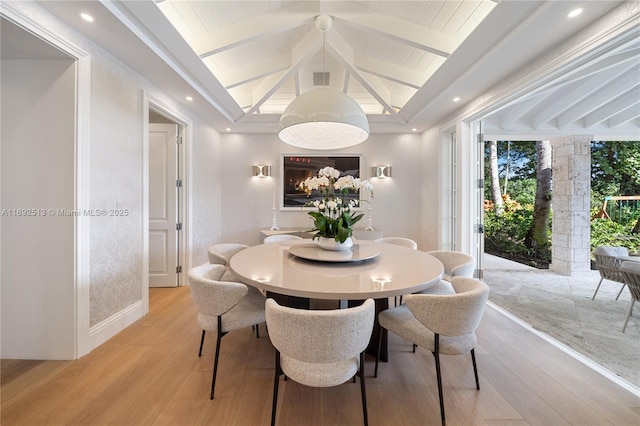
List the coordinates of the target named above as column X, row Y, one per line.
column 189, row 98
column 414, row 130
column 86, row 17
column 456, row 99
column 228, row 129
column 574, row 13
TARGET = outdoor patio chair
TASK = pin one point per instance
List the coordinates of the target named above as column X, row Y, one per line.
column 608, row 261
column 630, row 271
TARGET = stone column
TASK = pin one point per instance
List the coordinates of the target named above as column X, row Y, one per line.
column 571, row 204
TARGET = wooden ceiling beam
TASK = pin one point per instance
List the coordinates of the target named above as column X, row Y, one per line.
column 390, row 71
column 578, row 94
column 602, row 96
column 393, row 28
column 624, row 117
column 343, row 53
column 255, row 71
column 256, row 28
column 300, row 54
column 629, row 100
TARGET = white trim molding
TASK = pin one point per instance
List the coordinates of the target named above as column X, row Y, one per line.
column 105, row 330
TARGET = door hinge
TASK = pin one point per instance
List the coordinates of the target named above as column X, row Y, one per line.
column 480, row 229
column 481, row 183
column 178, row 269
column 478, row 273
column 480, row 137
column 178, row 226
column 179, row 140
column 178, row 183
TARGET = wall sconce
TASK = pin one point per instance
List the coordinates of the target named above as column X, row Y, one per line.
column 381, row 171
column 261, row 171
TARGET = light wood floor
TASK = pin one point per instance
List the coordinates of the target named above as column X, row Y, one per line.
column 150, row 374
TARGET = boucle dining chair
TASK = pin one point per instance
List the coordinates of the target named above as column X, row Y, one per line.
column 221, row 254
column 456, row 264
column 401, row 241
column 630, row 270
column 442, row 324
column 280, row 237
column 321, row 348
column 223, row 306
column 608, row 262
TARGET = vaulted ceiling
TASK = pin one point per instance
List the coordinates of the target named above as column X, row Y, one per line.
column 523, row 67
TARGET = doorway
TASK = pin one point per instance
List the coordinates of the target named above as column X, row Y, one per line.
column 43, row 257
column 165, row 214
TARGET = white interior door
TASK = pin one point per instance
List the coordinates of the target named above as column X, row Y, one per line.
column 163, row 205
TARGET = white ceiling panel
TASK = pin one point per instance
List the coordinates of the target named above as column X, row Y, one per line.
column 518, row 65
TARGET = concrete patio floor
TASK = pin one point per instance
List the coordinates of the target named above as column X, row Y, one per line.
column 561, row 307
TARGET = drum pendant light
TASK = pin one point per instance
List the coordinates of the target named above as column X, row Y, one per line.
column 324, row 118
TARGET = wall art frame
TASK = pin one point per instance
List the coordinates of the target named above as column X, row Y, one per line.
column 294, row 168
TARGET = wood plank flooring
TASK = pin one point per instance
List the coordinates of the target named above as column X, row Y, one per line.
column 150, row 374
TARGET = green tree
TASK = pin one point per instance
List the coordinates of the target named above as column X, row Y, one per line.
column 538, row 236
column 615, row 168
column 494, row 178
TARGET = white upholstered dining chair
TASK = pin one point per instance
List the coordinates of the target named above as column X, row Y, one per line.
column 320, row 348
column 442, row 324
column 401, row 241
column 221, row 254
column 280, row 237
column 223, row 306
column 456, row 264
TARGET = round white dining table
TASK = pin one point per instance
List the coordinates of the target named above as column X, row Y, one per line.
column 295, row 271
column 368, row 270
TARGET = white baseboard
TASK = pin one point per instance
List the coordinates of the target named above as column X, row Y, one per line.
column 105, row 330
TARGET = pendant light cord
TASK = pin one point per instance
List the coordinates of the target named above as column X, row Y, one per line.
column 324, row 49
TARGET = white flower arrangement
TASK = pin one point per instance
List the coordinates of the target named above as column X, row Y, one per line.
column 333, row 218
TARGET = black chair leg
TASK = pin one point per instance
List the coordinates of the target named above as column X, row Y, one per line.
column 363, row 391
column 257, row 331
column 201, row 343
column 217, row 356
column 275, row 389
column 375, row 373
column 475, row 367
column 436, row 355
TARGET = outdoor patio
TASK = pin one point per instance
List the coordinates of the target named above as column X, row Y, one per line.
column 561, row 307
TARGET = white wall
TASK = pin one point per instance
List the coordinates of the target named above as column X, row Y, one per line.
column 38, row 303
column 116, row 177
column 206, row 192
column 247, row 201
column 435, row 187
